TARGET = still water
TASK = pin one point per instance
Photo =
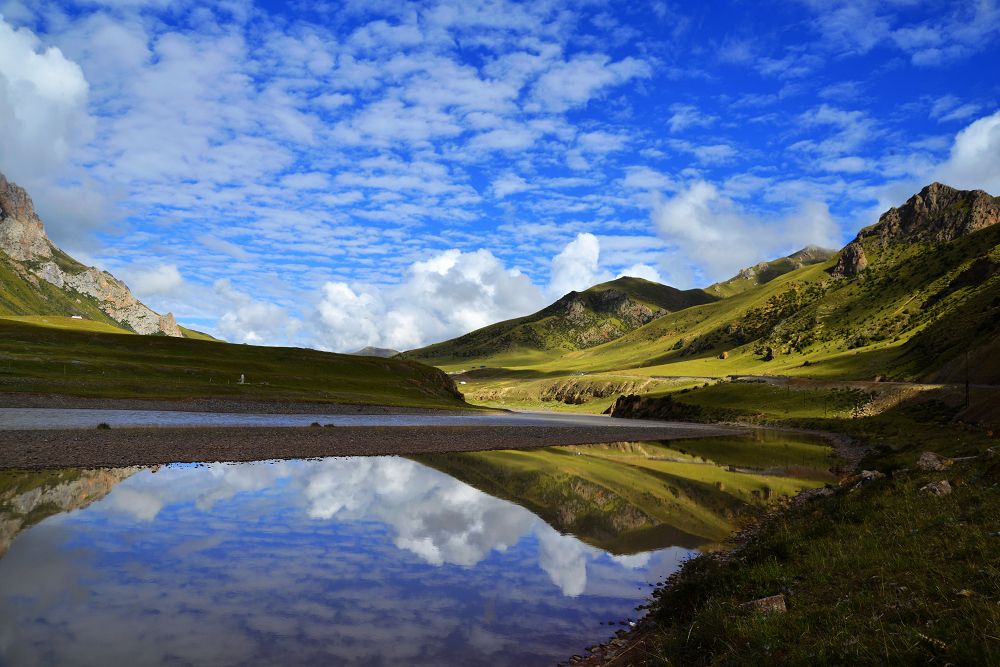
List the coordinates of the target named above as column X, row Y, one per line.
column 371, row 561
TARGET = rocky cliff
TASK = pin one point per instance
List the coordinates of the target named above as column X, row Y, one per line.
column 33, row 257
column 936, row 213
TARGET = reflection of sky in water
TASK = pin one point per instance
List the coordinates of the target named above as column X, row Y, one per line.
column 365, row 560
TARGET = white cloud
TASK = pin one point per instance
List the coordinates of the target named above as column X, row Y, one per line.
column 851, row 130
column 247, row 320
column 684, row 116
column 950, row 108
column 43, row 106
column 712, row 237
column 163, row 279
column 849, row 164
column 975, row 157
column 509, row 184
column 577, row 267
column 444, row 296
column 644, row 178
column 573, row 83
column 644, row 271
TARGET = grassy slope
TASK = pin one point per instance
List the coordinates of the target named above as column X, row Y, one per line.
column 912, row 315
column 548, row 334
column 881, row 574
column 765, row 272
column 20, row 297
column 89, row 363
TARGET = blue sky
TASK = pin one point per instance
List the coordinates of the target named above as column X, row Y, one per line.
column 387, row 173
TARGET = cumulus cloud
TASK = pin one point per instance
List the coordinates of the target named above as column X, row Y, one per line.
column 974, row 161
column 247, row 320
column 43, row 105
column 162, row 279
column 644, row 271
column 684, row 116
column 712, row 237
column 509, row 184
column 449, row 294
column 577, row 267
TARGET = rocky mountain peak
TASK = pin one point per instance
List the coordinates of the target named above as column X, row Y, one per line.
column 936, row 213
column 22, row 235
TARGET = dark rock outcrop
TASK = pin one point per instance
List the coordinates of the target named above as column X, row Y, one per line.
column 22, row 235
column 936, row 213
column 852, row 261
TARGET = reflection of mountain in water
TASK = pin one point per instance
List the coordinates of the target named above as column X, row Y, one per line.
column 623, row 498
column 27, row 497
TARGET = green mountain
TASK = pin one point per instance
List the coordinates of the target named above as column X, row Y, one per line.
column 39, row 279
column 916, row 296
column 907, row 298
column 107, row 362
column 577, row 321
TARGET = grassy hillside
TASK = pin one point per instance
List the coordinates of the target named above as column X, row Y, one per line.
column 923, row 310
column 74, row 361
column 20, row 296
column 765, row 272
column 577, row 321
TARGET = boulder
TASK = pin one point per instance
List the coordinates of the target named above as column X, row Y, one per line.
column 774, row 604
column 933, row 462
column 852, row 261
column 942, row 488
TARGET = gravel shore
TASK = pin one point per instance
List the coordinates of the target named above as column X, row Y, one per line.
column 149, row 446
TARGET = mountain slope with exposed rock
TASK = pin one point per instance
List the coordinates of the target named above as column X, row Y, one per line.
column 37, row 278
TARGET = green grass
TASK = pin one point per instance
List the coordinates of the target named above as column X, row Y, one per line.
column 881, row 574
column 66, row 323
column 102, row 364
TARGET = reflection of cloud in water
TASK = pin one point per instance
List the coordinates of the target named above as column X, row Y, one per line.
column 433, row 515
column 272, row 563
column 564, row 559
column 633, row 561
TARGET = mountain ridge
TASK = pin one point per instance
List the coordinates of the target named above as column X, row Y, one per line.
column 907, row 299
column 575, row 321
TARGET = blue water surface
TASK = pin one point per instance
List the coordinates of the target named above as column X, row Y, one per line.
column 333, row 561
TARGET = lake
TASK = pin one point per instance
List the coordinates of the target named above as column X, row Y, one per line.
column 503, row 557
